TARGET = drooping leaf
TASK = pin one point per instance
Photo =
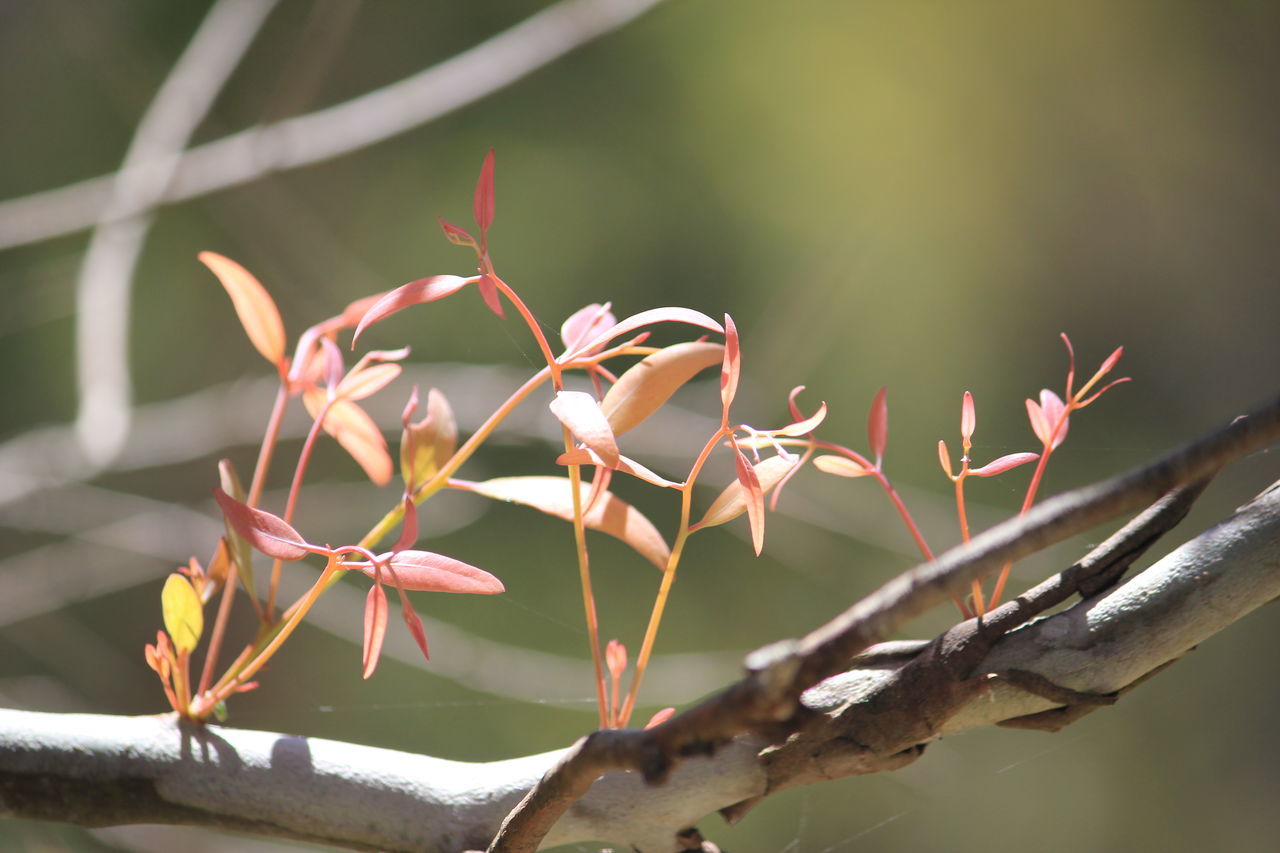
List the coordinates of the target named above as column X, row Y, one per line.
column 610, row 514
column 1004, row 463
column 356, row 432
column 650, row 382
column 732, row 501
column 584, row 324
column 414, row 624
column 183, row 614
column 841, row 466
column 427, row 571
column 482, row 204
column 489, row 290
column 375, row 627
column 805, row 426
column 255, row 308
column 581, row 413
column 669, row 314
column 269, row 533
column 584, row 456
column 414, row 293
column 878, row 425
column 355, row 311
column 731, row 367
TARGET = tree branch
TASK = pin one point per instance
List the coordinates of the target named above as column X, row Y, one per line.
column 65, row 767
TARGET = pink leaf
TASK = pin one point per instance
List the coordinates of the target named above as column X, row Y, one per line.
column 660, row 717
column 333, row 363
column 731, row 367
column 1004, row 463
column 585, row 456
column 585, row 324
column 257, row 312
column 408, row 527
column 489, row 290
column 609, row 514
column 366, row 381
column 375, row 627
column 482, row 204
column 430, row 572
column 732, row 502
column 878, row 425
column 615, row 656
column 806, row 426
column 968, row 418
column 457, row 236
column 414, row 624
column 669, row 314
column 944, row 457
column 650, row 382
column 1039, row 425
column 840, row 466
column 755, row 499
column 581, row 413
column 1055, row 415
column 413, row 293
column 269, row 533
column 357, row 433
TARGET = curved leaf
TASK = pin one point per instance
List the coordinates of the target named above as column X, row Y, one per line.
column 584, row 456
column 586, row 323
column 669, row 314
column 257, row 312
column 580, row 412
column 650, row 382
column 1004, row 463
column 414, row 293
column 356, row 432
column 375, row 627
column 427, row 571
column 610, row 514
column 732, row 502
column 269, row 533
column 840, row 466
column 366, row 381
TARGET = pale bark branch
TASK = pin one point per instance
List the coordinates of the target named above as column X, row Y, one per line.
column 99, row 770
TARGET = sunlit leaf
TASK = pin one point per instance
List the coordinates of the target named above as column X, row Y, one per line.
column 352, row 427
column 456, row 235
column 968, row 418
column 427, row 571
column 841, row 466
column 269, row 533
column 1004, row 463
column 669, row 314
column 414, row 624
column 367, row 381
column 878, row 424
column 649, row 383
column 731, row 367
column 489, row 290
column 355, row 311
column 414, row 293
column 732, row 501
column 581, row 413
column 610, row 514
column 428, row 444
column 754, row 496
column 408, row 526
column 944, row 457
column 584, row 456
column 806, row 426
column 257, row 312
column 183, row 614
column 586, row 323
column 482, row 204
column 375, row 627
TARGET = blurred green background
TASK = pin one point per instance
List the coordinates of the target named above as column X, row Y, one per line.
column 920, row 195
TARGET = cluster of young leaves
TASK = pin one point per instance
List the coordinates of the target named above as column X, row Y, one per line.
column 593, row 426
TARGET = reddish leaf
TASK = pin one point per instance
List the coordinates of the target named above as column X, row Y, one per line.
column 1109, row 364
column 841, row 466
column 457, row 236
column 1052, row 415
column 585, row 324
column 584, row 456
column 414, row 293
column 356, row 432
column 482, row 204
column 878, row 425
column 489, row 290
column 1004, row 463
column 805, row 426
column 430, row 572
column 240, row 550
column 968, row 419
column 1038, row 424
column 944, row 457
column 333, row 363
column 615, row 658
column 731, row 366
column 668, row 314
column 581, row 413
column 366, row 381
column 732, row 502
column 414, row 625
column 257, row 312
column 610, row 514
column 754, row 497
column 269, row 533
column 355, row 311
column 375, row 627
column 649, row 383
column 660, row 717
column 408, row 527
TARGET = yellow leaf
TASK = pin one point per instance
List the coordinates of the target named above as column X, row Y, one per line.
column 183, row 616
column 254, row 306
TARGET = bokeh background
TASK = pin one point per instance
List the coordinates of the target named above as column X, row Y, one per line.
column 918, row 195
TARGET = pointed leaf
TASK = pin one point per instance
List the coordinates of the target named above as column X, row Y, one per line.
column 944, row 457
column 409, row 526
column 269, row 533
column 585, row 456
column 414, row 293
column 1039, row 425
column 356, row 432
column 183, row 615
column 731, row 366
column 414, row 624
column 581, row 413
column 375, row 627
column 457, row 236
column 1004, row 463
column 257, row 312
column 427, row 445
column 805, row 426
column 585, row 324
column 1055, row 416
column 649, row 383
column 668, row 314
column 615, row 658
column 366, row 381
column 482, row 204
column 968, row 418
column 878, row 425
column 732, row 502
column 754, row 496
column 660, row 718
column 841, row 466
column 610, row 514
column 240, row 550
column 427, row 571
column 355, row 311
